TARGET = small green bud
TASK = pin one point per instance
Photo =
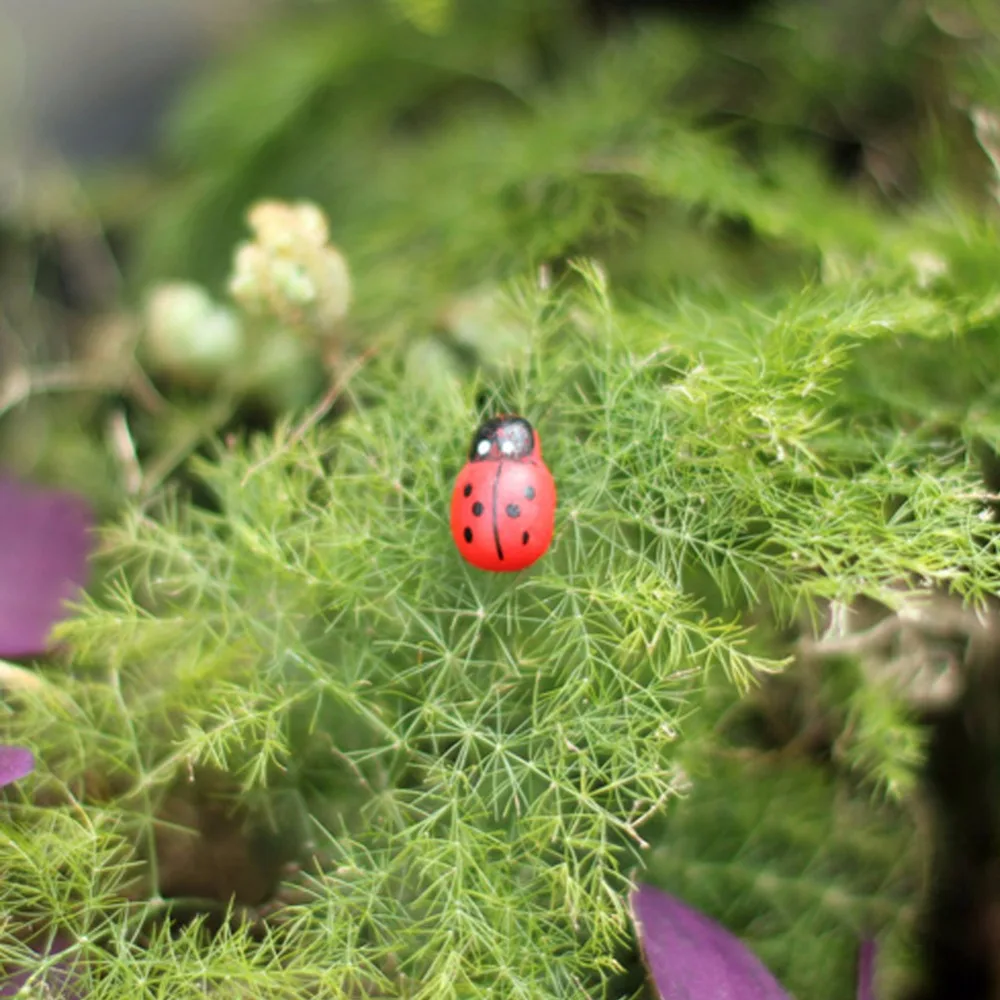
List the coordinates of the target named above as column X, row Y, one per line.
column 286, row 374
column 432, row 367
column 484, row 321
column 929, row 267
column 188, row 337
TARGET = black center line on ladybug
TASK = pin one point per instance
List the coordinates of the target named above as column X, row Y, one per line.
column 496, row 526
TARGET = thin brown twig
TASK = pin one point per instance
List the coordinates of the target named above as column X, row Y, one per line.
column 221, row 411
column 322, row 409
column 23, row 383
column 140, row 388
column 880, row 634
column 123, row 448
column 941, row 619
column 97, row 268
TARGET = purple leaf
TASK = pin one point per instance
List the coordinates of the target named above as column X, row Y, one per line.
column 44, row 546
column 15, row 763
column 691, row 957
column 866, row 969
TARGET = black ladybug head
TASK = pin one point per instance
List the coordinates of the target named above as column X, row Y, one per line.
column 505, row 437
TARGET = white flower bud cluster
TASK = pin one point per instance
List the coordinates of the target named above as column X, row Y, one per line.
column 290, row 272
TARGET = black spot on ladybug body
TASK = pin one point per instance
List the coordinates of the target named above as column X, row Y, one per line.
column 467, row 492
column 530, row 493
column 513, row 510
column 524, row 538
column 467, row 534
column 477, row 509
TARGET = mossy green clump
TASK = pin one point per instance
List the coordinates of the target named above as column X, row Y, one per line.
column 763, row 393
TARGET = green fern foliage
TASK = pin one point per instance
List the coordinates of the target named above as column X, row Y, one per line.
column 763, row 393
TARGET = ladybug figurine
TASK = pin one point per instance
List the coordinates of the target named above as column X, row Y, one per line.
column 504, row 502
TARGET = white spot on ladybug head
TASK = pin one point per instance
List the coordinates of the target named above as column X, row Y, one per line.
column 511, row 437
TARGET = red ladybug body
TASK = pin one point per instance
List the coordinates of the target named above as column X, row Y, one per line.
column 504, row 502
